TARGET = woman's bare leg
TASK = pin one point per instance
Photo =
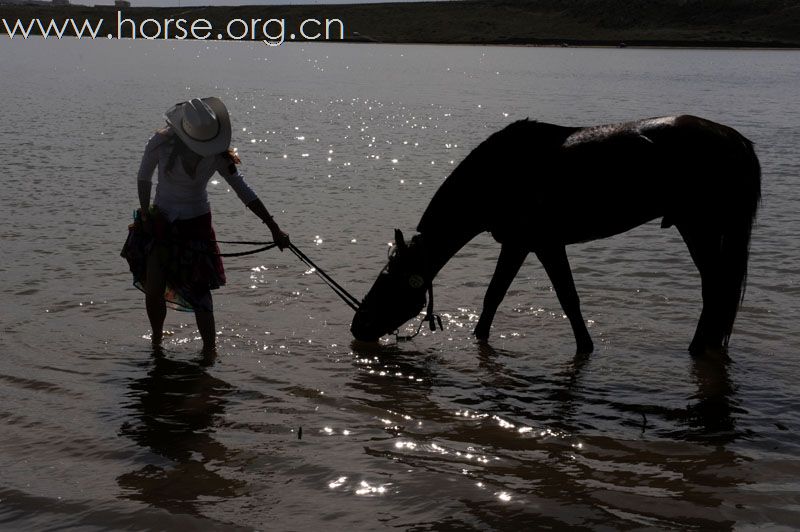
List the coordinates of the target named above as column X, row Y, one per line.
column 207, row 328
column 154, row 286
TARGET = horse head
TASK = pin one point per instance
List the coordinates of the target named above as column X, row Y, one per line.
column 397, row 295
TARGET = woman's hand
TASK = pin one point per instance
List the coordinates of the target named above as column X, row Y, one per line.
column 280, row 238
column 146, row 222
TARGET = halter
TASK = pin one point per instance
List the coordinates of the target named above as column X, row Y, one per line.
column 430, row 317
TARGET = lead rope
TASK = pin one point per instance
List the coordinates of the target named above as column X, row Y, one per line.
column 343, row 294
column 264, row 247
column 432, row 318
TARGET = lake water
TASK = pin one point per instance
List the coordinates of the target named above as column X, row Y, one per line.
column 345, row 143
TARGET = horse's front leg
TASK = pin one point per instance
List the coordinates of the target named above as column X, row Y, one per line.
column 508, row 265
column 554, row 260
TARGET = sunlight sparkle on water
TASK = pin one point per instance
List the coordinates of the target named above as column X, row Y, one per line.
column 471, row 415
column 336, row 483
column 503, row 423
column 365, row 488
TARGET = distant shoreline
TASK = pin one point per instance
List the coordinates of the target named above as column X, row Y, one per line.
column 709, row 24
column 600, row 46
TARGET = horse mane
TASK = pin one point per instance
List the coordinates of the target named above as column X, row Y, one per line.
column 478, row 172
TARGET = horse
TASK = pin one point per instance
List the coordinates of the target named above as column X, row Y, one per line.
column 538, row 187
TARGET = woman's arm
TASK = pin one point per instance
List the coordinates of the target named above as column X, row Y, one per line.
column 144, row 197
column 235, row 179
column 260, row 210
column 144, row 177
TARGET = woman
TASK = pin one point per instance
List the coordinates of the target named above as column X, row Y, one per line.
column 177, row 258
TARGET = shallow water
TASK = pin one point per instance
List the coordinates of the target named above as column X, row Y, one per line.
column 344, row 143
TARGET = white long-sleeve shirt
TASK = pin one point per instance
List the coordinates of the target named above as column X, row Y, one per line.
column 179, row 195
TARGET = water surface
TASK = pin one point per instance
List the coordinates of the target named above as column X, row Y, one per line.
column 345, row 143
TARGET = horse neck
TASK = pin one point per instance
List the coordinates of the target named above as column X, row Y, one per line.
column 456, row 213
column 448, row 223
column 440, row 246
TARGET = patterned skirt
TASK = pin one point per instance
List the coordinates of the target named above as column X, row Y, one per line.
column 188, row 255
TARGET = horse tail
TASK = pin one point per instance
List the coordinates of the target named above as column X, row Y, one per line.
column 736, row 231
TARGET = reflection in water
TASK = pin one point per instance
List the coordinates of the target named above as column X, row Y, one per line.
column 712, row 416
column 533, row 442
column 174, row 408
column 411, row 390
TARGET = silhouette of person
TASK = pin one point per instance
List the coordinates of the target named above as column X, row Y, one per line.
column 172, row 250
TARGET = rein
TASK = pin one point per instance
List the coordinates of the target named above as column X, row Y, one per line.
column 432, row 318
column 343, row 294
column 264, row 247
column 338, row 289
column 350, row 300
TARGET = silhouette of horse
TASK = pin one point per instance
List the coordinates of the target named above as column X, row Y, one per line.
column 539, row 187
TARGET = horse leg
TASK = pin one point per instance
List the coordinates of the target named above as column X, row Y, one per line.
column 508, row 265
column 705, row 250
column 555, row 262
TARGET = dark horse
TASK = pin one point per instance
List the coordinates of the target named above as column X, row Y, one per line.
column 539, row 187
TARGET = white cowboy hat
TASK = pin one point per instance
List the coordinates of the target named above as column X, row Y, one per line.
column 202, row 124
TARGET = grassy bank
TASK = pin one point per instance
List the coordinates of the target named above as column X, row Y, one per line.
column 722, row 23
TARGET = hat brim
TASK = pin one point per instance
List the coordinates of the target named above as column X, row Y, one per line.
column 205, row 148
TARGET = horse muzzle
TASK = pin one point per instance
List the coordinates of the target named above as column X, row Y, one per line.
column 363, row 327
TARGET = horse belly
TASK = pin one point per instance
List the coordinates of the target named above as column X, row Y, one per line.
column 605, row 197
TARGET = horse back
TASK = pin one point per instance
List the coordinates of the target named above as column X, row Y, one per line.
column 611, row 178
column 581, row 183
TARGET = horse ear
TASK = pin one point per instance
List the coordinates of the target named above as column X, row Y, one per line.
column 399, row 241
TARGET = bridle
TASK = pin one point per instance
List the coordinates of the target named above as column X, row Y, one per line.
column 432, row 318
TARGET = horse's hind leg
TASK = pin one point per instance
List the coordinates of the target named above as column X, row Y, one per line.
column 705, row 248
column 555, row 262
column 508, row 265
